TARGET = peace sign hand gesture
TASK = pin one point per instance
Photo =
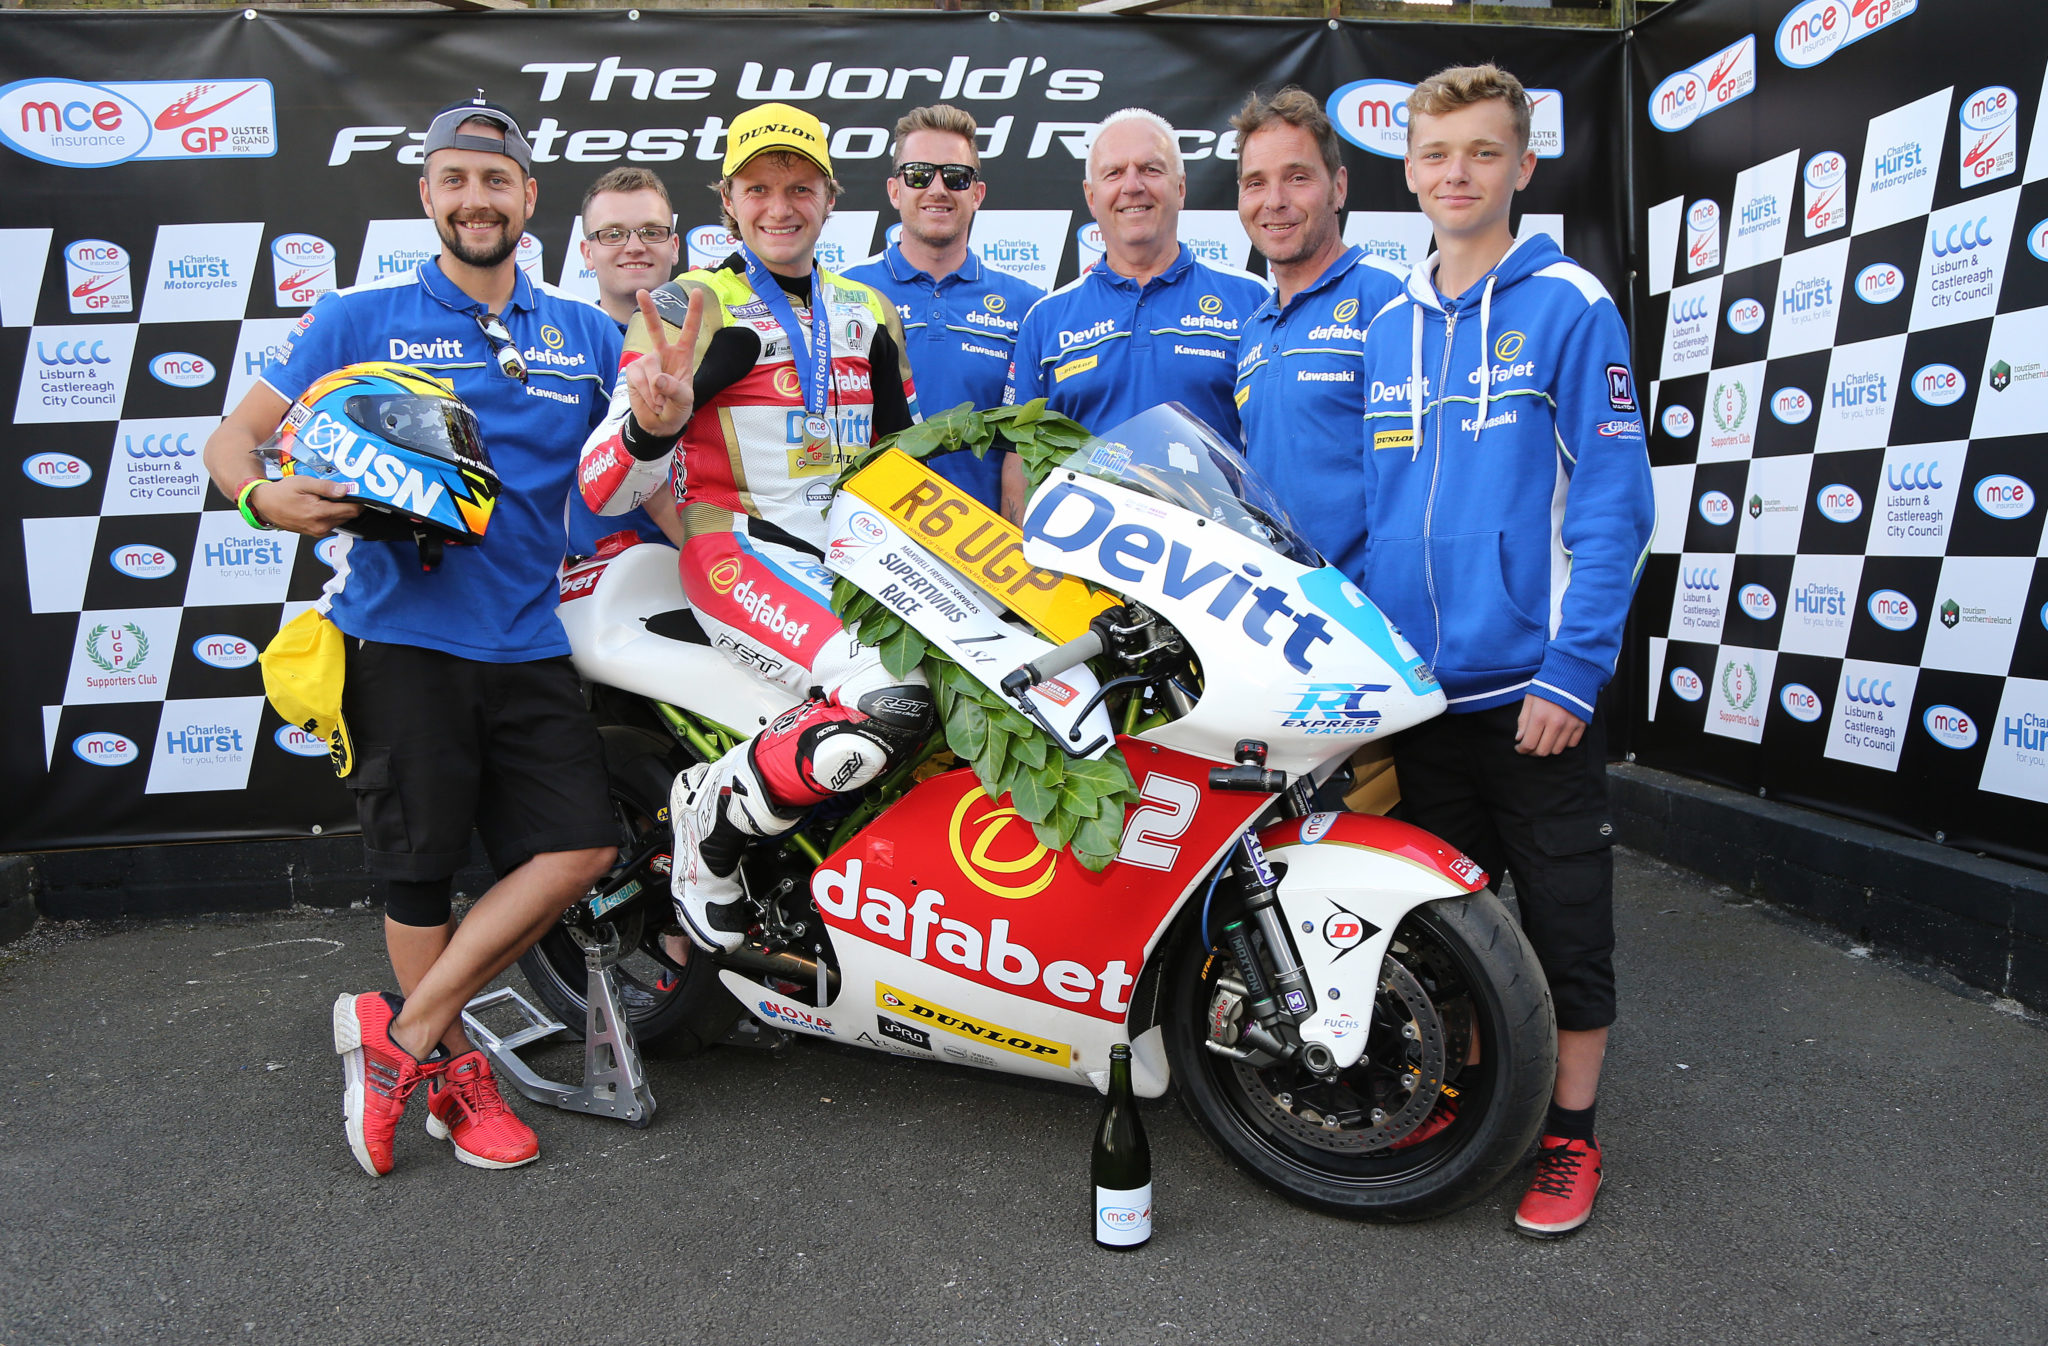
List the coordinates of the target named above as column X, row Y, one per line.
column 658, row 384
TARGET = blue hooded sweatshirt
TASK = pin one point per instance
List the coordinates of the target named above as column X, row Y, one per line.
column 1508, row 499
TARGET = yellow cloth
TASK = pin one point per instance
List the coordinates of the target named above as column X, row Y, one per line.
column 303, row 667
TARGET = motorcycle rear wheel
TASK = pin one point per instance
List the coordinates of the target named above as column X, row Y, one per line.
column 685, row 1012
column 1314, row 1142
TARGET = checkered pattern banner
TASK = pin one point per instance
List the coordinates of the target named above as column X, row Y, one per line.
column 1842, row 317
column 159, row 237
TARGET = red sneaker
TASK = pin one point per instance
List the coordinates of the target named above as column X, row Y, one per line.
column 1561, row 1197
column 463, row 1106
column 1440, row 1118
column 378, row 1076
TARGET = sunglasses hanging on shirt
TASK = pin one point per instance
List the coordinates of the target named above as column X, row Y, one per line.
column 502, row 349
column 918, row 176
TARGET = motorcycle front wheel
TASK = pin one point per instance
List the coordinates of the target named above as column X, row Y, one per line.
column 687, row 1010
column 1359, row 1146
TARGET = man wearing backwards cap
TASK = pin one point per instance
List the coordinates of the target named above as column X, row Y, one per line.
column 762, row 376
column 458, row 692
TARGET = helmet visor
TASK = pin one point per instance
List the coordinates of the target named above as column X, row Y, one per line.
column 440, row 426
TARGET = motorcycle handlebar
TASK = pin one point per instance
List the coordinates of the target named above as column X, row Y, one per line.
column 1052, row 663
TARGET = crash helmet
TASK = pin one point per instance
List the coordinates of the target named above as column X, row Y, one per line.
column 404, row 445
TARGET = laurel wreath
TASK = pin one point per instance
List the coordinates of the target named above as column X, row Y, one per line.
column 1742, row 406
column 1072, row 803
column 92, row 646
column 1727, row 672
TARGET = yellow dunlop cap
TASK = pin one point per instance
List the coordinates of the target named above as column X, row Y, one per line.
column 776, row 126
column 302, row 673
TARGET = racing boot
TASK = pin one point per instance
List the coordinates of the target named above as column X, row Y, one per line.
column 718, row 809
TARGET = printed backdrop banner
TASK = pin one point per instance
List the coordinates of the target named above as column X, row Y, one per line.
column 1843, row 323
column 180, row 188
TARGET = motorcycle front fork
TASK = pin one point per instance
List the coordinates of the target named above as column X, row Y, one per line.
column 1277, row 993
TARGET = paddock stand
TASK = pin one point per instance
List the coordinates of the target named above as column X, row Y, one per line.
column 614, row 1080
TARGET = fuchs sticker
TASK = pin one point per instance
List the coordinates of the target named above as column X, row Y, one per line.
column 1339, row 1026
column 1620, row 388
column 1317, row 826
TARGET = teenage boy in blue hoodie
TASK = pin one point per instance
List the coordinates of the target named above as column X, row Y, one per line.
column 1508, row 513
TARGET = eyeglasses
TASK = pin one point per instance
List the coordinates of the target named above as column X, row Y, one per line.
column 502, row 349
column 650, row 234
column 917, row 177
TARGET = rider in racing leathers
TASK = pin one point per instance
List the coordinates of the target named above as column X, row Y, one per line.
column 760, row 414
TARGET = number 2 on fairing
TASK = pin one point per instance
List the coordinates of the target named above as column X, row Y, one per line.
column 1167, row 811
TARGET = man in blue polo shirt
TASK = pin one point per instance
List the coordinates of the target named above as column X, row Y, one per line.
column 1301, row 366
column 459, row 696
column 960, row 316
column 1147, row 324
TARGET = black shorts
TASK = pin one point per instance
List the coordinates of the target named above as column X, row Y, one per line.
column 445, row 744
column 1543, row 819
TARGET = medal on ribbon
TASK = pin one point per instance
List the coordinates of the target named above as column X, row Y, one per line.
column 811, row 355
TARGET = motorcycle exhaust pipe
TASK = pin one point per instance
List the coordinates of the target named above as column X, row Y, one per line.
column 790, row 967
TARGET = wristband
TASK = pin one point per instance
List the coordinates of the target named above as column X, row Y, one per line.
column 248, row 513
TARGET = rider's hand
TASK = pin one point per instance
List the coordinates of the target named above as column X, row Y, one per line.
column 1546, row 728
column 658, row 383
column 305, row 505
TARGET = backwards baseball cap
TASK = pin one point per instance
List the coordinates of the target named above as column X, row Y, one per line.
column 444, row 132
column 775, row 126
column 303, row 668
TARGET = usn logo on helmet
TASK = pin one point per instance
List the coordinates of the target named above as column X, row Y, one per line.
column 402, row 443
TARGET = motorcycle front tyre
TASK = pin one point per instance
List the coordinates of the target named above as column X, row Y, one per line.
column 1473, row 948
column 685, row 1015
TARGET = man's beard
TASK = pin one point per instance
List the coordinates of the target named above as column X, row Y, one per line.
column 481, row 256
column 931, row 237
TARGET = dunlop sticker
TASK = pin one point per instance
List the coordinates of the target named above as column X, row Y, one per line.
column 952, row 1021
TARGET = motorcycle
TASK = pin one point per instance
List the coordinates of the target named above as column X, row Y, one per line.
column 1325, row 988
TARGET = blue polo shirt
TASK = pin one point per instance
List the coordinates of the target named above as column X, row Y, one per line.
column 961, row 331
column 587, row 527
column 494, row 601
column 1103, row 348
column 1301, row 397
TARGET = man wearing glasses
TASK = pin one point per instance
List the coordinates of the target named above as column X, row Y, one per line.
column 760, row 377
column 630, row 242
column 960, row 315
column 1150, row 322
column 459, row 695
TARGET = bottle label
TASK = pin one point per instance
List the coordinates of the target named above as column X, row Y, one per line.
column 1123, row 1218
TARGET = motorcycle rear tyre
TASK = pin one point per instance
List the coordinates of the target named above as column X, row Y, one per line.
column 1504, row 1101
column 697, row 1011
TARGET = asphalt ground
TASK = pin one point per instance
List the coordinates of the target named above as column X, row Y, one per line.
column 1805, row 1143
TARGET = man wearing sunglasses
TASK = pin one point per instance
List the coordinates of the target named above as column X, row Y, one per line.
column 629, row 241
column 758, row 379
column 1150, row 322
column 459, row 697
column 960, row 315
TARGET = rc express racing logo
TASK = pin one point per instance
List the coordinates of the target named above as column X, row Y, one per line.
column 75, row 124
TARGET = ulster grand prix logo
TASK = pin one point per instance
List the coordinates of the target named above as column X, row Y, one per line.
column 117, row 648
column 996, row 849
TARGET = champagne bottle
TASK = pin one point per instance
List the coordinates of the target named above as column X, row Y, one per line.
column 1122, row 1164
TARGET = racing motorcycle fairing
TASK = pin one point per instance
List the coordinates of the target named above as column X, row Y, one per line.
column 1351, row 877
